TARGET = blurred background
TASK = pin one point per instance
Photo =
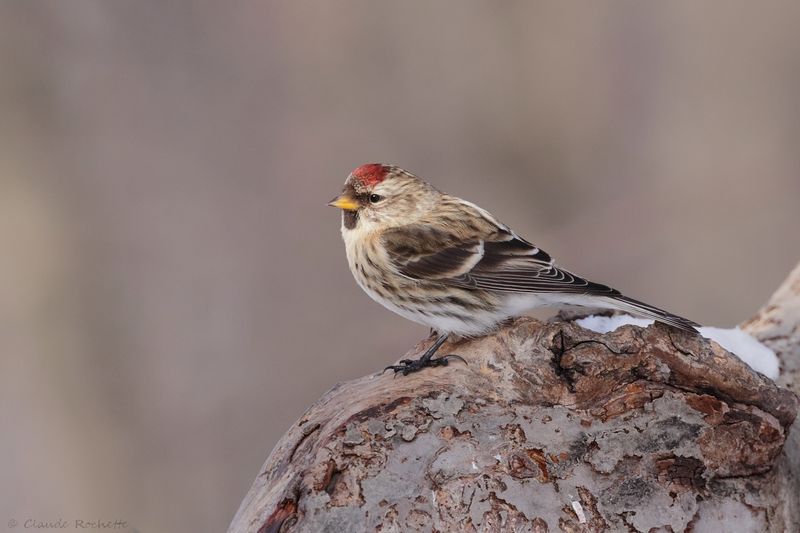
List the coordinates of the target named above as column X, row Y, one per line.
column 173, row 290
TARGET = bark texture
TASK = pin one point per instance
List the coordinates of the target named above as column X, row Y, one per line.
column 777, row 325
column 551, row 427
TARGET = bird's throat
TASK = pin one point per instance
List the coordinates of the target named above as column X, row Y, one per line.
column 349, row 219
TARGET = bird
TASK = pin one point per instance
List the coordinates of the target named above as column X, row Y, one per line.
column 451, row 265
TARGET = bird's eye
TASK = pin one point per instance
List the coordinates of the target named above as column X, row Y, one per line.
column 375, row 198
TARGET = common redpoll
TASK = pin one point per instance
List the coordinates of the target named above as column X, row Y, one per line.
column 448, row 264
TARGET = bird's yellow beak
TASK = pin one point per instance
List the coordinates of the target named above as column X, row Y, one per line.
column 345, row 202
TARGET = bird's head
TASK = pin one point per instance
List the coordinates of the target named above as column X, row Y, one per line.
column 382, row 196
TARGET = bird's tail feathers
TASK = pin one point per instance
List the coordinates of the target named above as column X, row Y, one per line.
column 623, row 303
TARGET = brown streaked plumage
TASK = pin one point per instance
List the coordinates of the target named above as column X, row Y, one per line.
column 450, row 265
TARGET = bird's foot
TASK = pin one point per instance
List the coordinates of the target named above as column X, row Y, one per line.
column 409, row 366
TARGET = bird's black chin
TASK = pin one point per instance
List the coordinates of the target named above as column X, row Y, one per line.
column 349, row 219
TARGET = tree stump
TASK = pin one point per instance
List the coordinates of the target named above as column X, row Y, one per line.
column 550, row 427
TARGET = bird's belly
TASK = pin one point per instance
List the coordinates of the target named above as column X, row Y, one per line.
column 445, row 309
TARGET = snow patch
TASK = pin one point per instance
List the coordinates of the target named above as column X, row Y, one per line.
column 747, row 348
column 576, row 506
column 743, row 345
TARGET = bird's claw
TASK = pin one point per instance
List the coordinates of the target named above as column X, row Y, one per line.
column 409, row 366
column 456, row 356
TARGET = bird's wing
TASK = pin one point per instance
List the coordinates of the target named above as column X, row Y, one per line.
column 496, row 260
